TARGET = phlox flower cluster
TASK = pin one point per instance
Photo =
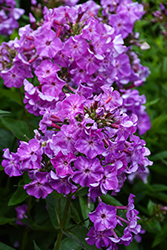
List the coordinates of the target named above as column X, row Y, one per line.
column 89, row 111
column 9, row 15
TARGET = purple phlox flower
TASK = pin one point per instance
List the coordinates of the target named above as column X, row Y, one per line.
column 112, row 99
column 31, row 154
column 123, row 68
column 32, row 99
column 70, row 2
column 109, row 181
column 61, row 185
column 121, row 23
column 90, row 144
column 109, row 3
column 40, row 187
column 144, row 123
column 104, row 217
column 90, row 62
column 13, row 77
column 21, row 213
column 16, row 13
column 11, row 163
column 138, row 237
column 114, row 42
column 121, row 179
column 79, row 75
column 47, row 43
column 61, row 59
column 133, row 11
column 62, row 164
column 128, row 126
column 99, row 238
column 87, row 171
column 100, row 46
column 136, row 152
column 75, row 47
column 46, row 69
column 53, row 86
column 72, row 106
column 132, row 217
column 84, row 91
column 66, row 137
column 49, row 119
column 32, row 18
column 127, row 238
column 140, row 175
column 90, row 9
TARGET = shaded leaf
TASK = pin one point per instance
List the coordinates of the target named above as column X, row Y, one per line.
column 74, row 213
column 18, row 128
column 85, row 209
column 68, row 244
column 1, row 168
column 52, row 206
column 2, row 112
column 35, row 246
column 133, row 246
column 78, row 234
column 159, row 156
column 5, row 247
column 160, row 236
column 19, row 196
column 4, row 220
column 12, row 94
column 110, row 200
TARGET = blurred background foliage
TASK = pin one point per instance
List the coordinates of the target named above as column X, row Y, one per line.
column 151, row 198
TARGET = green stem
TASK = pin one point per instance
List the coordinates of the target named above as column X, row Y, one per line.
column 25, row 113
column 57, row 246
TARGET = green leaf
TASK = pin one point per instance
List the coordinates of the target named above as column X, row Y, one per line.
column 81, row 192
column 151, row 207
column 74, row 214
column 159, row 156
column 110, row 200
column 5, row 247
column 85, row 209
column 160, row 236
column 35, row 246
column 3, row 112
column 78, row 234
column 159, row 187
column 148, row 104
column 18, row 128
column 68, row 244
column 4, row 220
column 6, row 139
column 19, row 196
column 56, row 208
column 53, row 209
column 159, row 195
column 133, row 246
column 152, row 226
column 12, row 94
column 1, row 168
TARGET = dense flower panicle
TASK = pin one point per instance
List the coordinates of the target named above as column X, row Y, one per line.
column 87, row 127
